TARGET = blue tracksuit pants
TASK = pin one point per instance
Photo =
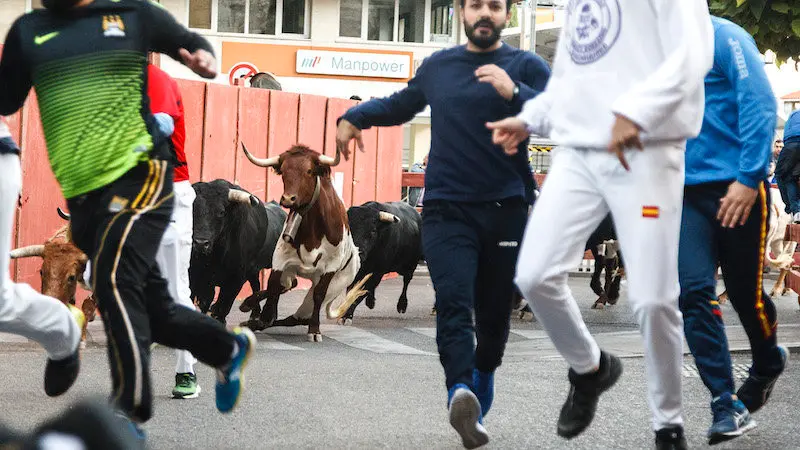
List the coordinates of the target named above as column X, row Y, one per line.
column 739, row 251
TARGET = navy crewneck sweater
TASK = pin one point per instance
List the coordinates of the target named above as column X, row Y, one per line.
column 463, row 163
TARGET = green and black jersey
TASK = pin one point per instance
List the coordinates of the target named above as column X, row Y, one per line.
column 89, row 71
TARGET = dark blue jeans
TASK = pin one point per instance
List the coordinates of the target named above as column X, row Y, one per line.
column 471, row 250
column 790, row 193
column 740, row 253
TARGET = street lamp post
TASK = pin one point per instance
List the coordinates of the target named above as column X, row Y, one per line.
column 533, row 5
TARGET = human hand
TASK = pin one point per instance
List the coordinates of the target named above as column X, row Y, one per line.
column 498, row 78
column 735, row 207
column 201, row 62
column 624, row 134
column 508, row 133
column 345, row 132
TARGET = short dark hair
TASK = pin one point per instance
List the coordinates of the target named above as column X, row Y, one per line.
column 779, row 141
column 508, row 4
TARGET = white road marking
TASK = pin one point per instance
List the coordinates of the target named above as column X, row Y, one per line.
column 358, row 338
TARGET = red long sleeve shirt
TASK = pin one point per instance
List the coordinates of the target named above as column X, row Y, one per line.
column 165, row 97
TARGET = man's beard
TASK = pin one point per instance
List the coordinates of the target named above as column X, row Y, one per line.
column 481, row 41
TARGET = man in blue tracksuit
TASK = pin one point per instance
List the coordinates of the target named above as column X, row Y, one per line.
column 787, row 168
column 476, row 197
column 725, row 216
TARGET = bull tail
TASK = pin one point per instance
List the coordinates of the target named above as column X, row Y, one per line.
column 352, row 295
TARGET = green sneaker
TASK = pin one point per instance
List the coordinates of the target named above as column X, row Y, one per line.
column 186, row 386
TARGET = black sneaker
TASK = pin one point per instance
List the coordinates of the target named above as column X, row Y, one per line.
column 578, row 411
column 60, row 375
column 755, row 391
column 671, row 439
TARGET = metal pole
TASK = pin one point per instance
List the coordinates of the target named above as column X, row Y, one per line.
column 534, row 4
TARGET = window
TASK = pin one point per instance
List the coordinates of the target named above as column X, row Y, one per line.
column 350, row 18
column 441, row 20
column 264, row 17
column 790, row 106
column 396, row 20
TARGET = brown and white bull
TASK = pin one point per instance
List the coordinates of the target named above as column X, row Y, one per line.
column 62, row 270
column 315, row 244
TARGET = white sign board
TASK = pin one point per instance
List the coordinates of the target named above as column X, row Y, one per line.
column 338, row 184
column 353, row 64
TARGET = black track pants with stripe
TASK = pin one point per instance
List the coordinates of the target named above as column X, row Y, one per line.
column 120, row 227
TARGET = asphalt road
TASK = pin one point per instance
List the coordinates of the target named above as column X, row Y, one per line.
column 379, row 384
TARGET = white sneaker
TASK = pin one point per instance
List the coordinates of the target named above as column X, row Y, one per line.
column 465, row 414
column 796, row 217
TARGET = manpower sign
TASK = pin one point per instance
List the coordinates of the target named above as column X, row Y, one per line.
column 307, row 61
column 353, row 64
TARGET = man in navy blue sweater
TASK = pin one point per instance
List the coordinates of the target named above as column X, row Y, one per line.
column 725, row 217
column 476, row 197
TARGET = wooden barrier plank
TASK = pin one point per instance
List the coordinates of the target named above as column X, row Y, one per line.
column 364, row 174
column 337, row 107
column 41, row 195
column 389, row 164
column 283, row 112
column 219, row 136
column 412, row 179
column 311, row 121
column 253, row 127
column 193, row 94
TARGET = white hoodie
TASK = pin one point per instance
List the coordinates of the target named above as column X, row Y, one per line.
column 644, row 59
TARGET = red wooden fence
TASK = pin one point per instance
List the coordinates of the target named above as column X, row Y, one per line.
column 218, row 119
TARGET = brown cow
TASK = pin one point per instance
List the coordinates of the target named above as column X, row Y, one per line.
column 62, row 270
column 316, row 244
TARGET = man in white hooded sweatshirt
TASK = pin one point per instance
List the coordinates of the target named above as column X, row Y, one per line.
column 625, row 94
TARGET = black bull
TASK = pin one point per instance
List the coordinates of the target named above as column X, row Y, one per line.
column 609, row 260
column 234, row 237
column 389, row 239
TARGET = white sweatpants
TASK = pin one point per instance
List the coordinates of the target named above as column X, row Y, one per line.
column 582, row 186
column 173, row 259
column 23, row 311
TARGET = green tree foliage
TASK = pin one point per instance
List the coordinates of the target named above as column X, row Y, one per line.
column 774, row 24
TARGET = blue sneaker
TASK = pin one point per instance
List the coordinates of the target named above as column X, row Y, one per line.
column 755, row 391
column 230, row 379
column 483, row 386
column 731, row 419
column 137, row 432
column 465, row 416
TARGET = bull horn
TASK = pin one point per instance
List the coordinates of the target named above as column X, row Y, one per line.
column 62, row 214
column 24, row 252
column 238, row 196
column 328, row 161
column 351, row 297
column 265, row 162
column 388, row 217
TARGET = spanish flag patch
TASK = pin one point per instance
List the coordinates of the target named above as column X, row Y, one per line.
column 650, row 211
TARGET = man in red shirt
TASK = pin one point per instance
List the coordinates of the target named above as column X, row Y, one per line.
column 176, row 247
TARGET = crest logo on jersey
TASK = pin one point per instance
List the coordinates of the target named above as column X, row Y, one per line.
column 592, row 27
column 113, row 26
column 117, row 204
